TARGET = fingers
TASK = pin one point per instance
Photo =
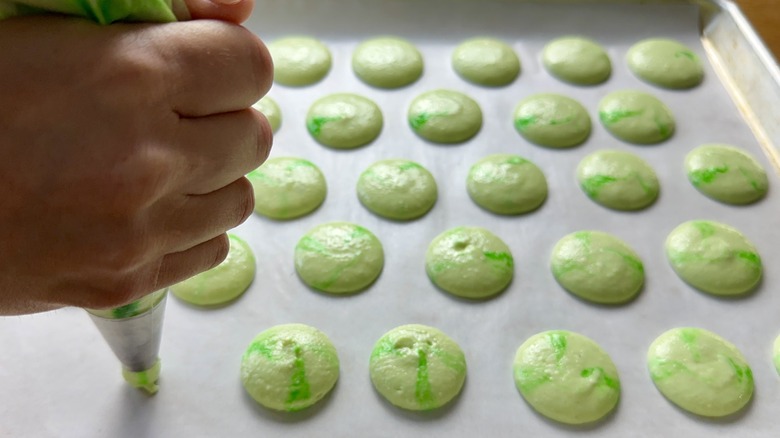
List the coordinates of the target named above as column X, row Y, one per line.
column 213, row 67
column 222, row 148
column 182, row 265
column 200, row 218
column 234, row 11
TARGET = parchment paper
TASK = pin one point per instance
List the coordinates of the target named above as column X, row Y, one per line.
column 59, row 379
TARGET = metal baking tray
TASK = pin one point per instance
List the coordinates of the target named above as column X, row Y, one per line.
column 59, row 379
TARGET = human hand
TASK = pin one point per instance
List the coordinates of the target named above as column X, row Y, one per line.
column 233, row 11
column 122, row 155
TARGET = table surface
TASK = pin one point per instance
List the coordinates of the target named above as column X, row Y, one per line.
column 765, row 16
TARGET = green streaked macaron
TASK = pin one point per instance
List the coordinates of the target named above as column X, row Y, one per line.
column 445, row 116
column 700, row 372
column 339, row 258
column 552, row 120
column 289, row 367
column 714, row 257
column 636, row 117
column 469, row 262
column 597, row 267
column 223, row 283
column 566, row 377
column 344, row 121
column 417, row 367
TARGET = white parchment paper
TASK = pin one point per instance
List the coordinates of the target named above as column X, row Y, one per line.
column 59, row 379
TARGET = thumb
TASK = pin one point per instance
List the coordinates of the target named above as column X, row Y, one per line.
column 234, row 11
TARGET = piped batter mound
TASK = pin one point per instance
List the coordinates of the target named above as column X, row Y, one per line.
column 636, row 117
column 506, row 184
column 445, row 116
column 486, row 61
column 344, row 121
column 552, row 120
column 299, row 61
column 289, row 367
column 469, row 262
column 223, row 283
column 578, row 61
column 397, row 189
column 665, row 63
column 597, row 267
column 387, row 62
column 700, row 372
column 417, row 367
column 287, row 188
column 339, row 258
column 726, row 174
column 566, row 377
column 618, row 180
column 714, row 258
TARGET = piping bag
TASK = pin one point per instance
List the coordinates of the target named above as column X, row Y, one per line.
column 133, row 332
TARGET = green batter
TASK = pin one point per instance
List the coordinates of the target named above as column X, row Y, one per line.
column 666, row 63
column 445, row 116
column 636, row 117
column 344, row 121
column 726, row 174
column 146, row 380
column 618, row 180
column 299, row 61
column 486, row 61
column 271, row 111
column 223, row 283
column 100, row 11
column 597, row 267
column 567, row 377
column 397, row 189
column 417, row 367
column 387, row 62
column 132, row 309
column 552, row 120
column 776, row 354
column 700, row 372
column 506, row 184
column 339, row 258
column 287, row 188
column 714, row 257
column 289, row 367
column 577, row 60
column 470, row 262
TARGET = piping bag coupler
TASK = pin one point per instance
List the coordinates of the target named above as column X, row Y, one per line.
column 133, row 332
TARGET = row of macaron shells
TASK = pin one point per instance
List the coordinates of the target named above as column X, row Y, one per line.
column 348, row 121
column 727, row 174
column 507, row 184
column 561, row 374
column 391, row 62
column 345, row 258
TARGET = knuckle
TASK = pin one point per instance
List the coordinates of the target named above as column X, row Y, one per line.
column 220, row 247
column 244, row 203
column 261, row 63
column 263, row 138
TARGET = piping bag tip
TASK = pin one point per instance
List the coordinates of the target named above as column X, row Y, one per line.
column 133, row 332
column 146, row 380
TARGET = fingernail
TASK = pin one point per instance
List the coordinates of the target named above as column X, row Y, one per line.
column 226, row 2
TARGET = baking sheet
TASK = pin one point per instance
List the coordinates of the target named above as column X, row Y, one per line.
column 59, row 379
